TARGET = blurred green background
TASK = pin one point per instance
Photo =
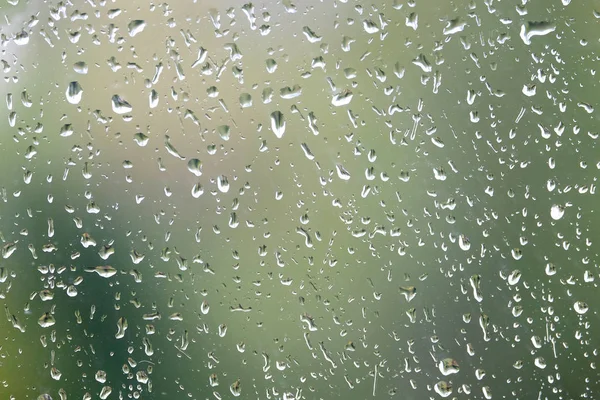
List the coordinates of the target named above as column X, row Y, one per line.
column 430, row 199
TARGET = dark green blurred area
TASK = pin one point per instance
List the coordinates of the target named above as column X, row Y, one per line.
column 333, row 265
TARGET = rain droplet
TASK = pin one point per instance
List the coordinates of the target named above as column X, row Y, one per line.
column 8, row 250
column 531, row 29
column 197, row 190
column 223, row 184
column 120, row 106
column 290, row 92
column 540, row 362
column 310, row 35
column 342, row 172
column 580, row 307
column 342, row 99
column 409, row 292
column 278, row 123
column 236, row 388
column 448, row 366
column 443, row 388
column 74, row 92
column 80, row 67
column 245, row 100
column 454, row 26
column 153, row 99
column 223, row 132
column 105, row 271
column 514, row 277
column 46, row 320
column 141, row 139
column 21, row 38
column 195, row 166
column 557, row 212
column 121, row 328
column 105, row 392
column 550, row 269
column 370, row 26
column 464, row 243
column 136, row 26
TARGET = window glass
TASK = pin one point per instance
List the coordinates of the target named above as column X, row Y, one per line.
column 299, row 199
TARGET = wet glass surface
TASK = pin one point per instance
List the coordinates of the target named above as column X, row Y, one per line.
column 299, row 200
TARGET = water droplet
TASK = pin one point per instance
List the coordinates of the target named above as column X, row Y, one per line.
column 100, row 376
column 141, row 139
column 120, row 106
column 290, row 92
column 236, row 388
column 580, row 307
column 80, row 67
column 223, row 184
column 55, row 373
column 531, row 29
column 153, row 99
column 223, row 132
column 310, row 35
column 443, row 388
column 448, row 366
column 454, row 26
column 195, row 166
column 74, row 92
column 8, row 249
column 370, row 27
column 464, row 243
column 105, row 392
column 105, row 271
column 197, row 190
column 121, row 328
column 409, row 292
column 271, row 65
column 222, row 330
column 514, row 277
column 342, row 99
column 245, row 100
column 46, row 320
column 557, row 212
column 540, row 362
column 278, row 124
column 21, row 38
column 342, row 172
column 136, row 26
column 550, row 269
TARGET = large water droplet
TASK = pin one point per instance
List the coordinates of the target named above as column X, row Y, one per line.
column 278, row 123
column 557, row 212
column 531, row 29
column 195, row 166
column 74, row 92
column 120, row 106
column 580, row 307
column 136, row 26
column 342, row 99
column 342, row 172
column 80, row 67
